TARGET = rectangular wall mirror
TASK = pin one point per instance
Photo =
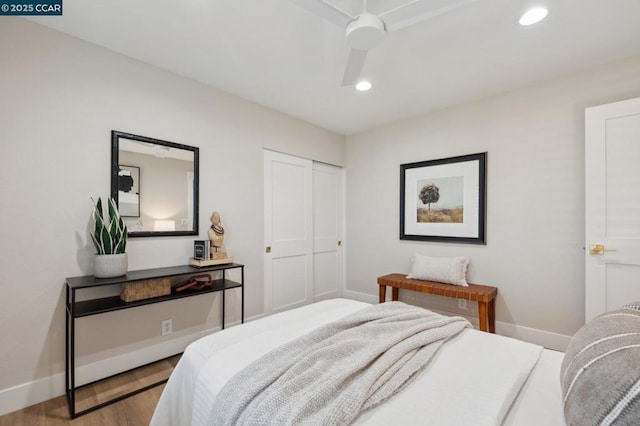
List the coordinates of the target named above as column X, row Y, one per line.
column 155, row 184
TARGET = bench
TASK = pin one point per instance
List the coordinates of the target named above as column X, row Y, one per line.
column 483, row 294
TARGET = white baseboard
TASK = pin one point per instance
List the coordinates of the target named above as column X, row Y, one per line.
column 46, row 388
column 360, row 297
column 27, row 394
column 550, row 340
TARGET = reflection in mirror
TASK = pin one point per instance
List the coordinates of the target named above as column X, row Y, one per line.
column 155, row 184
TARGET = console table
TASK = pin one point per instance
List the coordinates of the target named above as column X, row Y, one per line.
column 78, row 309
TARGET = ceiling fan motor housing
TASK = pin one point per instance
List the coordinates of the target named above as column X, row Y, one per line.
column 365, row 32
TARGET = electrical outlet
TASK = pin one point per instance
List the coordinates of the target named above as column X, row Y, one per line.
column 167, row 327
column 462, row 304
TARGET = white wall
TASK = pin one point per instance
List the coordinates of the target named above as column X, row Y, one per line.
column 61, row 98
column 535, row 194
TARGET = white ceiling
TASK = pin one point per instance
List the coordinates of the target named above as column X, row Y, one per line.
column 277, row 54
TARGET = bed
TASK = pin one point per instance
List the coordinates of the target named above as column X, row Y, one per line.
column 474, row 378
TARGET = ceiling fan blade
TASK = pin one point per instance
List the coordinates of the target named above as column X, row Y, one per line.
column 326, row 10
column 416, row 11
column 355, row 63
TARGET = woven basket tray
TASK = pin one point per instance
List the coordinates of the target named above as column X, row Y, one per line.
column 130, row 292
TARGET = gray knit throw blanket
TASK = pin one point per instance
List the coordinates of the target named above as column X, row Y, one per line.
column 332, row 374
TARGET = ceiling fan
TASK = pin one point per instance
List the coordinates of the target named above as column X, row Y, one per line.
column 366, row 30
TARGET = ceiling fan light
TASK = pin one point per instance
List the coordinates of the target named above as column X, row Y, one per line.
column 363, row 86
column 533, row 16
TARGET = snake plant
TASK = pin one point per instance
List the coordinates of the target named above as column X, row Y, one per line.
column 110, row 233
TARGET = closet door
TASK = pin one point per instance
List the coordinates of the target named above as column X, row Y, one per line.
column 327, row 231
column 288, row 232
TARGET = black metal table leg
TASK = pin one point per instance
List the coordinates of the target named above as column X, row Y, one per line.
column 72, row 358
column 223, row 293
column 242, row 294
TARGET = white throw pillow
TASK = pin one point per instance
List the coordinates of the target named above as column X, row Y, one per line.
column 450, row 270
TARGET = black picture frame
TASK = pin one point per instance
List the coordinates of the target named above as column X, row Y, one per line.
column 459, row 185
column 129, row 184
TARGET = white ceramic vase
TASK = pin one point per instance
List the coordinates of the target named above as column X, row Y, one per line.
column 110, row 265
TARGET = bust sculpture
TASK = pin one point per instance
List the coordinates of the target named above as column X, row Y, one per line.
column 216, row 236
column 216, row 232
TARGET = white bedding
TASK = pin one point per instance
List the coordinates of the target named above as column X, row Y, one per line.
column 476, row 378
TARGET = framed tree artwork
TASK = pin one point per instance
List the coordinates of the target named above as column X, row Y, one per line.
column 444, row 200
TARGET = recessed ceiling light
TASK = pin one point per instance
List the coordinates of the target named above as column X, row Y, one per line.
column 534, row 15
column 363, row 86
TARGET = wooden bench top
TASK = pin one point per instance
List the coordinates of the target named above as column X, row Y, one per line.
column 475, row 292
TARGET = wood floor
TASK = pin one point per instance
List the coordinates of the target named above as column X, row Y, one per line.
column 133, row 411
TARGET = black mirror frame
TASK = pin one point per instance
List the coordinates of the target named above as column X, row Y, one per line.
column 115, row 165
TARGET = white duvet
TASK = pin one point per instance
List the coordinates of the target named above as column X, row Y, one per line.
column 474, row 378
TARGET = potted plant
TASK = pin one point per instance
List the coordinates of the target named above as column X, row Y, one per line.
column 110, row 240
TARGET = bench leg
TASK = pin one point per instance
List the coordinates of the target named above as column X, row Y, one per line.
column 482, row 315
column 383, row 293
column 394, row 293
column 492, row 316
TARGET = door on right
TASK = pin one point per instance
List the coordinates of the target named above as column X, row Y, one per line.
column 612, row 206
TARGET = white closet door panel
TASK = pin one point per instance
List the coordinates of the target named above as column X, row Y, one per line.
column 327, row 230
column 290, row 213
column 288, row 232
column 289, row 273
column 325, row 278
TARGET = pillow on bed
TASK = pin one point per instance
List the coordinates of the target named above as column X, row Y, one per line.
column 450, row 270
column 600, row 373
column 632, row 306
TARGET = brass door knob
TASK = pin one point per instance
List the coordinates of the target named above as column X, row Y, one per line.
column 597, row 249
